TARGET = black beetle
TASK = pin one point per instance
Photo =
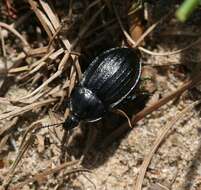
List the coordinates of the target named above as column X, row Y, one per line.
column 109, row 79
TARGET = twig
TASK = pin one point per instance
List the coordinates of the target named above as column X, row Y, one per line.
column 53, row 37
column 172, row 52
column 160, row 137
column 40, row 17
column 41, row 62
column 24, row 109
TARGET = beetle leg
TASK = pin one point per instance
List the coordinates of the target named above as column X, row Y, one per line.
column 91, row 138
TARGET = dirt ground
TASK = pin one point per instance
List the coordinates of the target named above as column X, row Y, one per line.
column 175, row 165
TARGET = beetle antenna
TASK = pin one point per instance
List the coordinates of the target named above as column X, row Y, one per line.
column 52, row 125
column 121, row 112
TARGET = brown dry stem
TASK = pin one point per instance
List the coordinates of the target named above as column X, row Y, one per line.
column 24, row 109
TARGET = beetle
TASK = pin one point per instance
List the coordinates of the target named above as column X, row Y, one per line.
column 108, row 80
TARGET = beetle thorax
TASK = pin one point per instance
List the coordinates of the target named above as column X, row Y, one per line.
column 86, row 105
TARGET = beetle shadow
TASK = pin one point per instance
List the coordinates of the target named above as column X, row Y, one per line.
column 89, row 143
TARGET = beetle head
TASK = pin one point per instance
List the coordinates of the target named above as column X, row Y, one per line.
column 71, row 122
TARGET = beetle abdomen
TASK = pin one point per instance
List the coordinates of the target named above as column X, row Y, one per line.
column 113, row 75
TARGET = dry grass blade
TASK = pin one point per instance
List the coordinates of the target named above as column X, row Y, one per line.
column 38, row 52
column 172, row 52
column 32, row 129
column 18, row 69
column 44, row 94
column 50, row 23
column 52, row 17
column 38, row 64
column 47, row 22
column 34, row 67
column 24, row 148
column 56, row 54
column 24, row 109
column 4, row 101
column 53, row 77
column 160, row 137
column 42, row 59
column 78, row 68
column 40, row 18
column 16, row 62
column 54, row 36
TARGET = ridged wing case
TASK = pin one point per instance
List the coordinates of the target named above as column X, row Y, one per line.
column 113, row 75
